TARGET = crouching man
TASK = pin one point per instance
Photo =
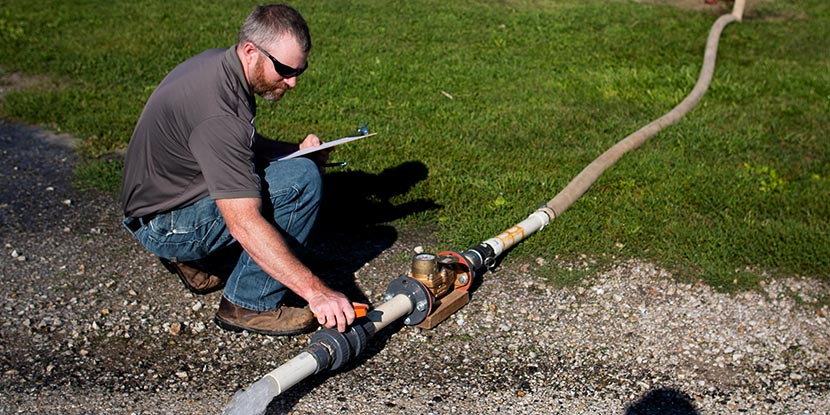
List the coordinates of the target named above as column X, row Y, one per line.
column 198, row 179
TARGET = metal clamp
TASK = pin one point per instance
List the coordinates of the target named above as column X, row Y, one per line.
column 419, row 295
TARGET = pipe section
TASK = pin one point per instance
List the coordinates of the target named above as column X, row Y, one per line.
column 393, row 309
column 518, row 232
column 328, row 350
column 292, row 372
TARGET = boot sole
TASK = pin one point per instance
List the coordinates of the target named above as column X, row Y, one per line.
column 227, row 325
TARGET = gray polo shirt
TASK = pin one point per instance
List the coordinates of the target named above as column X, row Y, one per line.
column 193, row 138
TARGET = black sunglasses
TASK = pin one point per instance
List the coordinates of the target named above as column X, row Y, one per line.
column 284, row 70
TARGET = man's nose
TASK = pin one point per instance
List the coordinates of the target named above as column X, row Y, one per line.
column 292, row 82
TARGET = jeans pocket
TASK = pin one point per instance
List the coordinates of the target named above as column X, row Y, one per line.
column 194, row 218
column 189, row 233
column 161, row 224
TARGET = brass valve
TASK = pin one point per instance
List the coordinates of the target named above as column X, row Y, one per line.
column 445, row 278
column 434, row 272
column 439, row 273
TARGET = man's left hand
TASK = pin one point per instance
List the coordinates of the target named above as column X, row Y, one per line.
column 319, row 157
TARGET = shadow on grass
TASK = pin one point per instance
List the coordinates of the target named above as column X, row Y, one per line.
column 356, row 199
column 353, row 228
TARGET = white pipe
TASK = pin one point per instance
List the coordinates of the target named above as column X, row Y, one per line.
column 254, row 400
column 304, row 365
column 292, row 372
column 518, row 232
column 388, row 312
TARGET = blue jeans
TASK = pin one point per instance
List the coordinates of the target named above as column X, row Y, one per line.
column 291, row 190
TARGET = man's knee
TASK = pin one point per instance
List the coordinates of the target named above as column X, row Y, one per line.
column 299, row 173
column 312, row 176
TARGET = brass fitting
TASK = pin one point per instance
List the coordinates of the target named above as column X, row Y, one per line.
column 434, row 273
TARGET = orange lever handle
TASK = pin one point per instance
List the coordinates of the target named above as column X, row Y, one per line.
column 360, row 310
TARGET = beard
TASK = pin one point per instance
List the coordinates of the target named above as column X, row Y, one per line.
column 267, row 89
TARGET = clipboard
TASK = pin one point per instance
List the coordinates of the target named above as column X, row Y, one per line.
column 323, row 146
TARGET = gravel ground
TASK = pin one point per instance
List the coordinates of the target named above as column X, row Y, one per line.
column 92, row 324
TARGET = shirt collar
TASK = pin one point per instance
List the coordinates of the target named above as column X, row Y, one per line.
column 236, row 67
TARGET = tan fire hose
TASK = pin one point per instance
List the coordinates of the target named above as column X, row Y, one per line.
column 580, row 184
column 586, row 178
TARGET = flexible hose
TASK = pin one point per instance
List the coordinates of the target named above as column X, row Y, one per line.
column 486, row 253
column 580, row 184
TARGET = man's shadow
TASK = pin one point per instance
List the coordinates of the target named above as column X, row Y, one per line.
column 353, row 224
column 355, row 199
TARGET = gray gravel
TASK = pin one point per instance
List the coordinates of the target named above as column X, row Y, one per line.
column 92, row 324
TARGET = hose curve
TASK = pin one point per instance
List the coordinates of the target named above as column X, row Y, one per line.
column 586, row 178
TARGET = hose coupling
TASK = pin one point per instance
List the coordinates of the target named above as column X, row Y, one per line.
column 332, row 349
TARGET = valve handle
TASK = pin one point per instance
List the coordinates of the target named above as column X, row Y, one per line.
column 360, row 310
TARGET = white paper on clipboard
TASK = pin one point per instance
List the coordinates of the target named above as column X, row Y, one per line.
column 323, row 146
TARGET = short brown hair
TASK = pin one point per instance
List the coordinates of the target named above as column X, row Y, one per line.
column 266, row 24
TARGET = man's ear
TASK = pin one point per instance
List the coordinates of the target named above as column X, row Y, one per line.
column 248, row 52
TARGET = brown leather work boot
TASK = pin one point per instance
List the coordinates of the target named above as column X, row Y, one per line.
column 196, row 280
column 284, row 321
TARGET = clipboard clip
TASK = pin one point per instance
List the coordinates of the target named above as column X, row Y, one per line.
column 362, row 130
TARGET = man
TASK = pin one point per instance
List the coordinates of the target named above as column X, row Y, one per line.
column 198, row 179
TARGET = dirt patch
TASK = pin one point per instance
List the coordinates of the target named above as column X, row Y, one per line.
column 16, row 81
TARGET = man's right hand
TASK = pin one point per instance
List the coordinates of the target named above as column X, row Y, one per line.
column 332, row 309
column 265, row 245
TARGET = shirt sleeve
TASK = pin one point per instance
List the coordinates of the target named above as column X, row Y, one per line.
column 222, row 148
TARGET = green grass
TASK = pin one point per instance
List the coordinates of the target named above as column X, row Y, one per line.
column 504, row 102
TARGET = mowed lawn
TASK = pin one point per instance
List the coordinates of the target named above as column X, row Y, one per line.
column 500, row 104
